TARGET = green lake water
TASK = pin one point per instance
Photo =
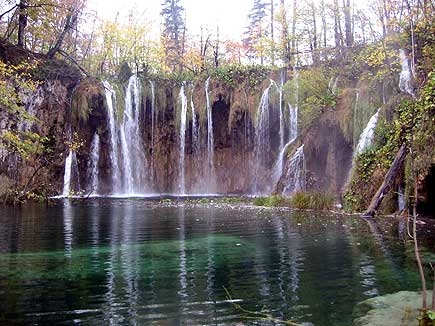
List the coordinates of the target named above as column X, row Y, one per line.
column 135, row 262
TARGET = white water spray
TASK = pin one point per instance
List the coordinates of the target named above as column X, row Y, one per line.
column 293, row 134
column 366, row 137
column 262, row 135
column 114, row 148
column 153, row 123
column 93, row 171
column 295, row 176
column 131, row 141
column 67, row 174
column 195, row 128
column 210, row 140
column 182, row 142
column 405, row 75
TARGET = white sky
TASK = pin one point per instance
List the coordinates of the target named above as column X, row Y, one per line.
column 230, row 15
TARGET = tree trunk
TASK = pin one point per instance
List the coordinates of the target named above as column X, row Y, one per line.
column 71, row 19
column 388, row 182
column 293, row 48
column 324, row 27
column 285, row 41
column 337, row 26
column 22, row 22
column 216, row 49
column 272, row 31
column 348, row 23
column 314, row 48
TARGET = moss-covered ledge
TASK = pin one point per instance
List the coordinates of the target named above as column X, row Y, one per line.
column 397, row 309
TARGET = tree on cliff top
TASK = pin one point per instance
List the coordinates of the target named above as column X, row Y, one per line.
column 174, row 32
column 256, row 31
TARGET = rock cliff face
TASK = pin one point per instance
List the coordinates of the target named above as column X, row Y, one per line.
column 327, row 150
column 73, row 112
column 159, row 128
column 232, row 137
column 50, row 103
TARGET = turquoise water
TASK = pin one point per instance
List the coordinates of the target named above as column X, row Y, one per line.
column 135, row 262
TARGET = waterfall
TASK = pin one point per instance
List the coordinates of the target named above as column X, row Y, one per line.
column 114, row 149
column 68, row 168
column 153, row 101
column 195, row 128
column 132, row 149
column 292, row 135
column 127, row 153
column 262, row 136
column 366, row 137
column 277, row 170
column 295, row 176
column 67, row 174
column 355, row 107
column 401, row 200
column 293, row 110
column 153, row 122
column 293, row 113
column 281, row 116
column 182, row 142
column 332, row 85
column 405, row 75
column 210, row 141
column 93, row 172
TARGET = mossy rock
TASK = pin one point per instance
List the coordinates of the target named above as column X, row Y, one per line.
column 397, row 309
column 5, row 184
column 124, row 73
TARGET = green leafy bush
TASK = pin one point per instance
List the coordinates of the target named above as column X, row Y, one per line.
column 312, row 200
column 234, row 74
column 300, row 200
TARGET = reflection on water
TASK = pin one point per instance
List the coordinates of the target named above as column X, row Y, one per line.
column 111, row 262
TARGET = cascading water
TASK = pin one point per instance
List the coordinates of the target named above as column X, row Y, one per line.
column 153, row 122
column 293, row 112
column 262, row 136
column 354, row 114
column 182, row 142
column 405, row 75
column 68, row 168
column 195, row 128
column 295, row 178
column 401, row 199
column 114, row 147
column 210, row 140
column 293, row 133
column 132, row 149
column 126, row 146
column 332, row 85
column 281, row 115
column 93, row 172
column 293, row 109
column 67, row 174
column 153, row 103
column 366, row 137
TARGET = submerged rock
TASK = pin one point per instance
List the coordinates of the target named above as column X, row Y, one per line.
column 397, row 309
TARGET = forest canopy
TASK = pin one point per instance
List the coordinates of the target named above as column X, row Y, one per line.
column 278, row 33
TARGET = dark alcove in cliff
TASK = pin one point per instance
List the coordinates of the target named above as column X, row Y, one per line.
column 426, row 204
column 220, row 115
